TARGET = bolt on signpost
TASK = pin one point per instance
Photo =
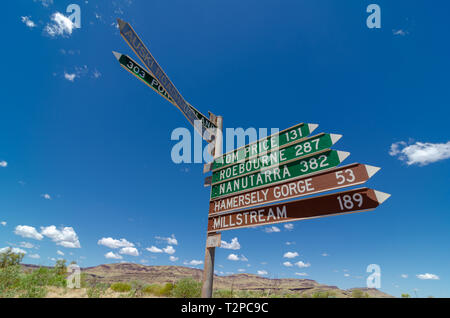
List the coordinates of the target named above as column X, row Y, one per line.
column 254, row 185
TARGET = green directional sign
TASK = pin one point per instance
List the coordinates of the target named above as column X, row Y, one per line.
column 138, row 71
column 321, row 161
column 278, row 140
column 301, row 148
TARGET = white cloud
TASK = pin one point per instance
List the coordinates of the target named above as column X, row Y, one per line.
column 324, row 254
column 3, row 223
column 154, row 249
column 26, row 245
column 28, row 232
column 428, row 276
column 241, row 270
column 60, row 253
column 404, row 275
column 65, row 237
column 132, row 251
column 234, row 257
column 3, row 164
column 346, row 275
column 290, row 255
column 290, row 243
column 173, row 258
column 70, row 76
column 193, row 262
column 61, row 25
column 97, row 74
column 46, row 196
column 272, row 229
column 113, row 243
column 170, row 240
column 420, row 153
column 15, row 250
column 233, row 245
column 112, row 255
column 289, row 226
column 28, row 22
column 288, row 264
column 301, row 274
column 399, row 32
column 262, row 272
column 169, row 250
column 35, row 256
column 45, row 3
column 301, row 264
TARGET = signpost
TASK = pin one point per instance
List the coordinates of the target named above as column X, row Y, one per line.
column 333, row 179
column 251, row 185
column 138, row 71
column 331, row 204
column 300, row 167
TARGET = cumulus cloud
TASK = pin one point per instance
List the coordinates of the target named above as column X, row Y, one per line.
column 45, row 3
column 289, row 226
column 404, row 275
column 60, row 253
column 169, row 250
column 233, row 245
column 3, row 164
column 233, row 257
column 301, row 274
column 35, row 256
column 193, row 262
column 70, row 76
column 399, row 32
column 3, row 223
column 154, row 249
column 15, row 250
column 301, row 264
column 420, row 153
column 65, row 236
column 28, row 232
column 288, row 264
column 61, row 26
column 170, row 240
column 132, row 251
column 173, row 258
column 46, row 196
column 113, row 243
column 26, row 245
column 428, row 276
column 262, row 272
column 272, row 229
column 112, row 255
column 290, row 255
column 28, row 22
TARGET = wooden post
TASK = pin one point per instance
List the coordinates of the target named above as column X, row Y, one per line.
column 208, row 269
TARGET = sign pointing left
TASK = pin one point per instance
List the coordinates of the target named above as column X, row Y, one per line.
column 138, row 71
column 133, row 40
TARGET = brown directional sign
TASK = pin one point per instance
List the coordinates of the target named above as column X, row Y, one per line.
column 326, row 205
column 337, row 178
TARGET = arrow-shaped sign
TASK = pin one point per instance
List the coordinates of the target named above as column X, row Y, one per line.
column 133, row 40
column 326, row 205
column 337, row 178
column 138, row 71
column 321, row 161
column 298, row 149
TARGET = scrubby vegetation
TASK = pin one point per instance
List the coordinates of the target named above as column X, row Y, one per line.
column 187, row 288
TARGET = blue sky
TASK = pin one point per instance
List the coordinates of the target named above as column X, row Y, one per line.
column 85, row 147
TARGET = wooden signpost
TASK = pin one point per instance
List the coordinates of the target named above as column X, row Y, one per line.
column 254, row 185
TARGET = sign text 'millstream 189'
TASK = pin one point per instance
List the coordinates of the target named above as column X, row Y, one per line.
column 323, row 160
column 277, row 156
column 333, row 179
column 337, row 203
